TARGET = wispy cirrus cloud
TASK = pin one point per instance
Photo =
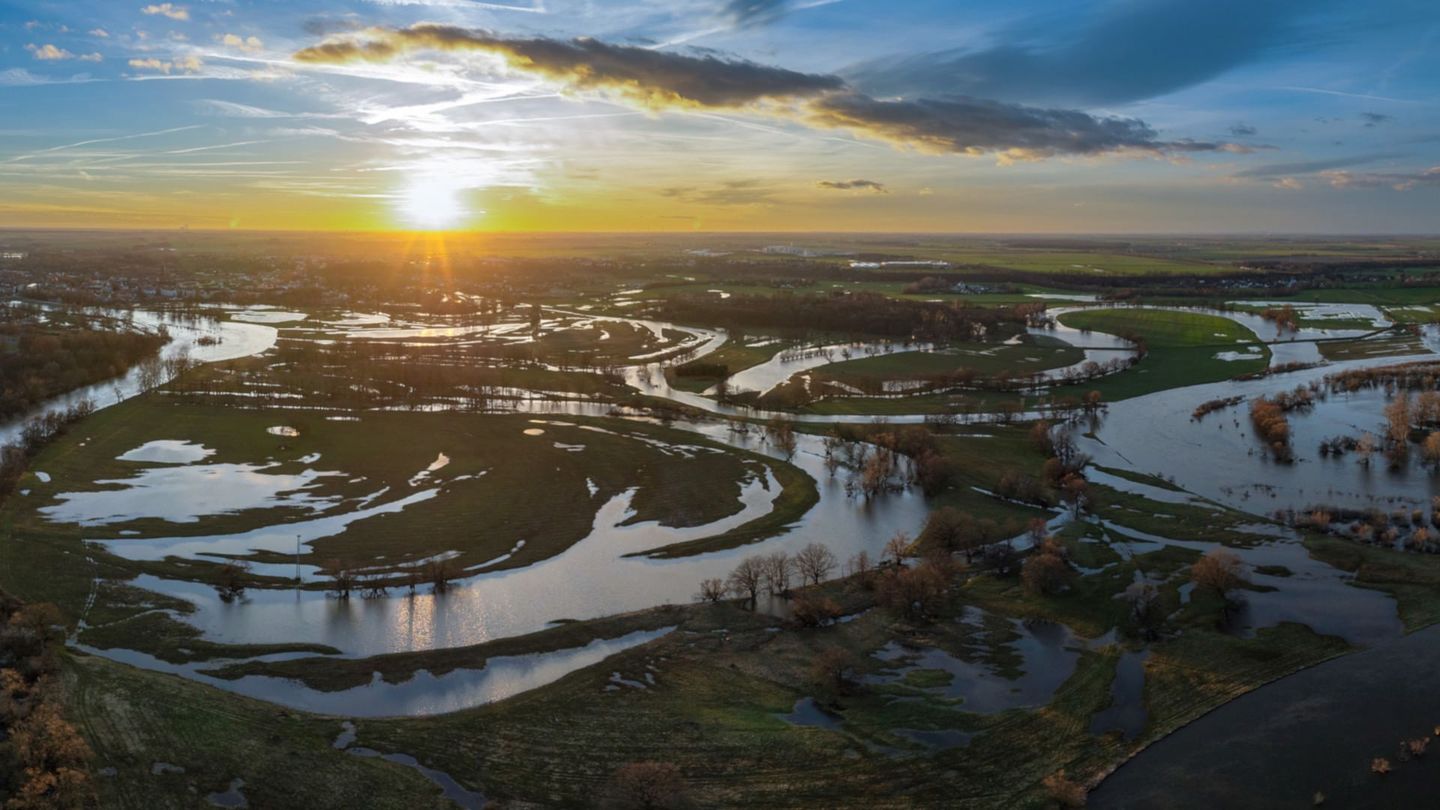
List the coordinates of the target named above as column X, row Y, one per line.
column 1270, row 171
column 754, row 12
column 658, row 80
column 731, row 192
column 1399, row 181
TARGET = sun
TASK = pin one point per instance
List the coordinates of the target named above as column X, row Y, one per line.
column 431, row 204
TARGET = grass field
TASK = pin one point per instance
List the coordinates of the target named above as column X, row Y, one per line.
column 488, row 499
column 735, row 357
column 1162, row 328
column 1183, row 349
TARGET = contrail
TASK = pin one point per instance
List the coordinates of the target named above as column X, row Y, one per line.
column 103, row 140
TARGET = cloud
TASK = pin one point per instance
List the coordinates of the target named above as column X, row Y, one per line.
column 1372, row 119
column 660, row 79
column 1399, row 181
column 19, row 77
column 732, row 192
column 170, row 10
column 1243, row 131
column 247, row 44
column 854, row 185
column 1288, row 183
column 1127, row 50
column 973, row 126
column 99, row 32
column 50, row 53
column 1272, row 171
column 652, row 78
column 325, row 26
column 185, row 64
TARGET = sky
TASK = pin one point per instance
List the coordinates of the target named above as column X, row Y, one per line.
column 965, row 116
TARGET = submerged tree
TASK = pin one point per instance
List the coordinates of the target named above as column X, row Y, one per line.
column 342, row 582
column 231, row 580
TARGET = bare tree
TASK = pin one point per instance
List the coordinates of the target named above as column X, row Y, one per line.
column 712, row 590
column 859, row 566
column 342, row 583
column 782, row 434
column 373, row 587
column 1145, row 608
column 897, row 548
column 778, row 567
column 440, row 572
column 1365, row 447
column 747, row 578
column 232, row 580
column 150, row 373
column 815, row 562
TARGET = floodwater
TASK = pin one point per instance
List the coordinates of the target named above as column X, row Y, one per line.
column 185, row 493
column 1046, row 654
column 1226, row 463
column 1314, row 593
column 426, row 694
column 808, row 713
column 167, row 451
column 1314, row 731
column 594, row 577
column 784, row 365
column 1126, row 712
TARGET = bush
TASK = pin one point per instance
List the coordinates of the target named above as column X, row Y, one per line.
column 647, row 786
column 816, row 611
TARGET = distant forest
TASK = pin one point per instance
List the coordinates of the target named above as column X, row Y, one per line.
column 865, row 313
column 39, row 361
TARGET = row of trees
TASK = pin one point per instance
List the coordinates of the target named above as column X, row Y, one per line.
column 34, row 435
column 851, row 313
column 773, row 573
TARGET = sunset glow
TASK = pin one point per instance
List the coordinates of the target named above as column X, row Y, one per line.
column 431, row 205
column 725, row 115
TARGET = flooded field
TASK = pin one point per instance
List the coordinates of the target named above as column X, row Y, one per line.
column 319, row 504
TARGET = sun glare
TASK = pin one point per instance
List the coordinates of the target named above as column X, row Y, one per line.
column 431, row 205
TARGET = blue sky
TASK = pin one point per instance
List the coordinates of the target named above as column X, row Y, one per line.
column 1112, row 116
